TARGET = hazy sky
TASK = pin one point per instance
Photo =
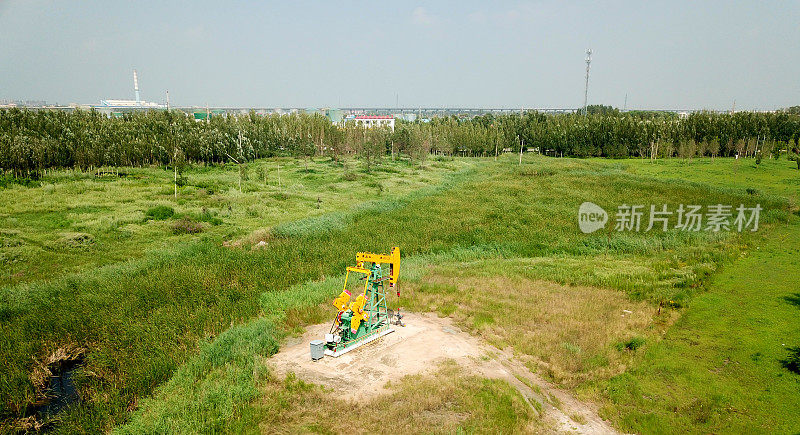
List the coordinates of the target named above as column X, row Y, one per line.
column 462, row 53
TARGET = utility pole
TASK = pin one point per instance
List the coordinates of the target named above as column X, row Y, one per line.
column 167, row 100
column 495, row 141
column 625, row 107
column 586, row 89
column 175, row 167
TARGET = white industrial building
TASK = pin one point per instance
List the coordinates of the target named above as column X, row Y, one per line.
column 370, row 121
column 138, row 103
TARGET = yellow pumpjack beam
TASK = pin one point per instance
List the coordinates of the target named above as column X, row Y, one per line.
column 393, row 260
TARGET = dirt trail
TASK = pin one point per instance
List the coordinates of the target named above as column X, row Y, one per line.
column 418, row 347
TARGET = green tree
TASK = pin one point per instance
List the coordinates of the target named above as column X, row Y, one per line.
column 373, row 148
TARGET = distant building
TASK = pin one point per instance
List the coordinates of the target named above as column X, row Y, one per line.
column 128, row 104
column 334, row 115
column 371, row 121
column 138, row 103
column 206, row 115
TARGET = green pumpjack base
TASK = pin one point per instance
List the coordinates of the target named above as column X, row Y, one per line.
column 378, row 333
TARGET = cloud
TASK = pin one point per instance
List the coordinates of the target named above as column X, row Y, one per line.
column 422, row 17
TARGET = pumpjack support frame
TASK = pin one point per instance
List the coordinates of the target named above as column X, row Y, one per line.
column 377, row 323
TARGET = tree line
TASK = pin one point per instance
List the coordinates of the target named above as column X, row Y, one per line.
column 32, row 141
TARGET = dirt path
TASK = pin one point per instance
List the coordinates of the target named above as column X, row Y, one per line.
column 418, row 347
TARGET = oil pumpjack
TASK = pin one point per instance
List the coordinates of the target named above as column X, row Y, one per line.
column 365, row 317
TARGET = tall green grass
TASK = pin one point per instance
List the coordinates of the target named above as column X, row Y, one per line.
column 720, row 368
column 228, row 387
column 142, row 319
column 213, row 391
column 127, row 215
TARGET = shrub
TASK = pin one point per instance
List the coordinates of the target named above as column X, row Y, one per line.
column 77, row 240
column 159, row 212
column 377, row 185
column 181, row 180
column 187, row 226
column 207, row 216
column 7, row 180
column 792, row 362
column 796, row 158
column 632, row 343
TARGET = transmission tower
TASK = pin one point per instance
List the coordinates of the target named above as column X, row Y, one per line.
column 586, row 89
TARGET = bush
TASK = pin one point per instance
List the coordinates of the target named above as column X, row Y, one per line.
column 7, row 180
column 159, row 212
column 187, row 226
column 77, row 240
column 181, row 181
column 631, row 344
column 210, row 217
column 796, row 158
column 792, row 362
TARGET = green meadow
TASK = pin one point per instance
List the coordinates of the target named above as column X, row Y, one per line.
column 665, row 331
column 73, row 220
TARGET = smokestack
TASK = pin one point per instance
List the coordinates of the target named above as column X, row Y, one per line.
column 136, row 87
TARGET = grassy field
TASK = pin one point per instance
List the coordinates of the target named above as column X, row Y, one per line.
column 774, row 177
column 496, row 247
column 722, row 367
column 538, row 294
column 78, row 220
column 141, row 313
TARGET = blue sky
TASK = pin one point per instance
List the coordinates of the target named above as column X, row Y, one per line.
column 333, row 54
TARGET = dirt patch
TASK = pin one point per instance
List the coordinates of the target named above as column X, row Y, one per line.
column 419, row 347
column 569, row 334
